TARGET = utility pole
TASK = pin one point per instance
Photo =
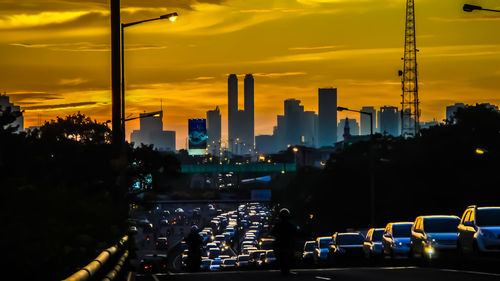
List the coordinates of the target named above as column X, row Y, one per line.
column 410, row 112
column 116, row 127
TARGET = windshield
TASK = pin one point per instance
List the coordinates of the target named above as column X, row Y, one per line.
column 377, row 235
column 243, row 258
column 270, row 254
column 350, row 240
column 229, row 261
column 401, row 230
column 324, row 243
column 309, row 247
column 206, row 262
column 441, row 224
column 216, row 262
column 488, row 217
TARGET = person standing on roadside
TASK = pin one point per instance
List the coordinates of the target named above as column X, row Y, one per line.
column 284, row 233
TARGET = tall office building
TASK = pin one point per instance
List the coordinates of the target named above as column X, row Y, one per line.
column 214, row 131
column 151, row 132
column 327, row 116
column 248, row 86
column 241, row 136
column 232, row 109
column 389, row 121
column 364, row 120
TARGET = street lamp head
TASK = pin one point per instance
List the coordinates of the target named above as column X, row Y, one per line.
column 470, row 8
column 340, row 108
column 170, row 17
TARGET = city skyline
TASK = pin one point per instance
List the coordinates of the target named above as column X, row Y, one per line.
column 58, row 58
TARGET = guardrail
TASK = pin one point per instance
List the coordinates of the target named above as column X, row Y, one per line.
column 91, row 269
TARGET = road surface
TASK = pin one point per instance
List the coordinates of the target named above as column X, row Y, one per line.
column 334, row 274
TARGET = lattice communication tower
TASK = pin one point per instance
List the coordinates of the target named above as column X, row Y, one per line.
column 409, row 106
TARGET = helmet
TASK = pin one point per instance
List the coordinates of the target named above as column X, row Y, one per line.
column 284, row 213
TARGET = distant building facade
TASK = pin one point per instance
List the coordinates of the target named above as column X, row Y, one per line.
column 214, row 122
column 349, row 126
column 389, row 121
column 327, row 116
column 364, row 120
column 4, row 104
column 151, row 132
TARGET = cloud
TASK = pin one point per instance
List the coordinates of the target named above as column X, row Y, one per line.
column 203, row 78
column 87, row 46
column 466, row 19
column 278, row 74
column 312, row 48
column 60, row 106
column 72, row 82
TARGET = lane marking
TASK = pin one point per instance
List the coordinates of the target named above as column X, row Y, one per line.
column 322, row 278
column 470, row 272
column 155, row 278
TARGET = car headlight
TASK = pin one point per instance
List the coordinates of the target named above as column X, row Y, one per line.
column 487, row 234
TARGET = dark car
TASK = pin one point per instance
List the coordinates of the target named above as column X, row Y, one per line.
column 153, row 263
column 396, row 239
column 347, row 246
column 479, row 231
column 434, row 235
column 372, row 247
column 161, row 243
column 308, row 253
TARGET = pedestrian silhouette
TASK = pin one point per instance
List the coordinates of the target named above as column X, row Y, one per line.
column 194, row 243
column 284, row 233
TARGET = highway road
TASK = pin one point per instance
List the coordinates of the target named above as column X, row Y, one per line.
column 334, row 274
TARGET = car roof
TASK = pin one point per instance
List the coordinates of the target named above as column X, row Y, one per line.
column 440, row 217
column 350, row 233
column 401, row 223
column 324, row 238
column 485, row 208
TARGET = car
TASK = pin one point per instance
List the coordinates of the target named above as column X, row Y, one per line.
column 153, row 263
column 270, row 258
column 396, row 239
column 308, row 253
column 205, row 264
column 261, row 260
column 255, row 256
column 213, row 253
column 215, row 264
column 432, row 235
column 242, row 261
column 346, row 246
column 132, row 230
column 372, row 247
column 161, row 243
column 322, row 248
column 246, row 250
column 479, row 231
column 266, row 243
column 228, row 263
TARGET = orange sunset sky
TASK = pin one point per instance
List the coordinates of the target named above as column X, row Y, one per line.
column 55, row 56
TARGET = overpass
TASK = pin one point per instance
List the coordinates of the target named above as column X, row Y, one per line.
column 239, row 168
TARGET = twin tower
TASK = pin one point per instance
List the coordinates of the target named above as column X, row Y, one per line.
column 241, row 123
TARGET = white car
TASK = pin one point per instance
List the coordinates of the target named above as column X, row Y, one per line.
column 215, row 264
column 396, row 240
column 322, row 248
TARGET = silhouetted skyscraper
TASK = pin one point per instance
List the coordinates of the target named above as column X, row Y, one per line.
column 352, row 125
column 364, row 120
column 214, row 131
column 232, row 109
column 249, row 138
column 327, row 116
column 241, row 136
column 151, row 132
column 389, row 121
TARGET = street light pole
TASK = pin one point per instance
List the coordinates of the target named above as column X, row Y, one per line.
column 116, row 126
column 469, row 8
column 171, row 17
column 371, row 164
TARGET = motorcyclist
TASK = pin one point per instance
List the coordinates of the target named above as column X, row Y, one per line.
column 284, row 233
column 194, row 243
